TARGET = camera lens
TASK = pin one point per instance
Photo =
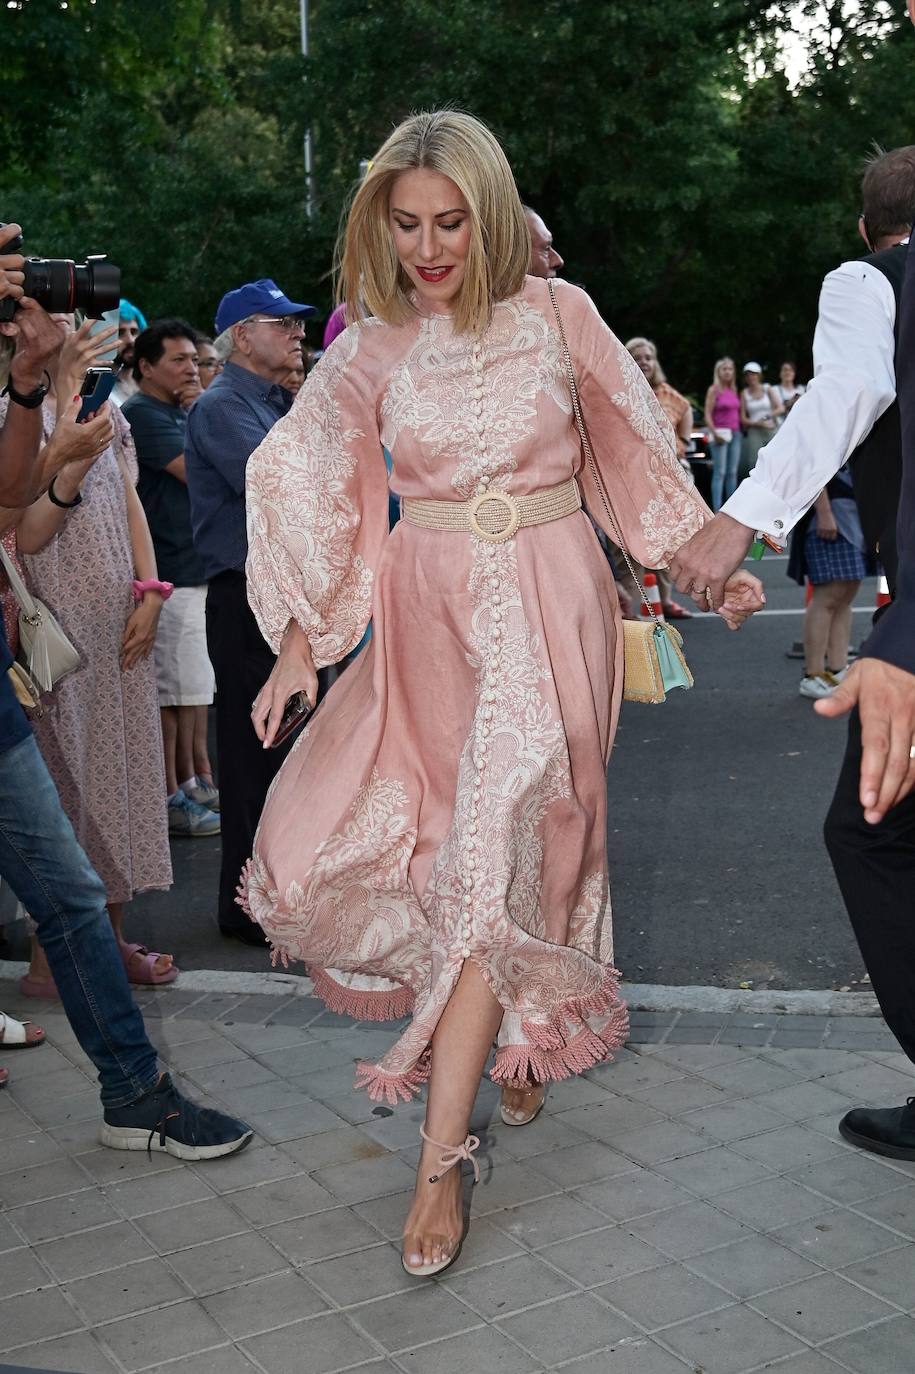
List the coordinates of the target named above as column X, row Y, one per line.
column 61, row 285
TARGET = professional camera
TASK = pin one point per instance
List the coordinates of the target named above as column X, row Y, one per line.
column 61, row 285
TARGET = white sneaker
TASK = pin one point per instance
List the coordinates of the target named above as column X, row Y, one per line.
column 838, row 674
column 819, row 685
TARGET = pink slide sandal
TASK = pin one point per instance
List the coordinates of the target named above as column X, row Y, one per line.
column 143, row 972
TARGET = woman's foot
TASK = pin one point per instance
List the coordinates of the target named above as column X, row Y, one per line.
column 519, row 1105
column 434, row 1228
column 19, row 1035
column 147, row 967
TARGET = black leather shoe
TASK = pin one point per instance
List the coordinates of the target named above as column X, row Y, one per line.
column 248, row 934
column 886, row 1131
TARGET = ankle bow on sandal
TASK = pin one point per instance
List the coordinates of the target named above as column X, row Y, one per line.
column 454, row 1154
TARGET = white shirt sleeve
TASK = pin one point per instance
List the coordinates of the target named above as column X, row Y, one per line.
column 854, row 383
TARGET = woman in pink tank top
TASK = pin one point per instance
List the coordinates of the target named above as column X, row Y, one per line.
column 722, row 415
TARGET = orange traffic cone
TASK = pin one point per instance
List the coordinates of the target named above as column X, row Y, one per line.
column 650, row 583
column 883, row 592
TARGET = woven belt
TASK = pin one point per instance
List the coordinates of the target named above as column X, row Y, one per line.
column 494, row 515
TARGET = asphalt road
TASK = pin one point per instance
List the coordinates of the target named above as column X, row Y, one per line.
column 716, row 805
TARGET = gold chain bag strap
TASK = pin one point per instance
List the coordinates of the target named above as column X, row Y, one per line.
column 653, row 659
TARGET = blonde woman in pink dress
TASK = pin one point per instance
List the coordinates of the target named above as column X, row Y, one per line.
column 435, row 842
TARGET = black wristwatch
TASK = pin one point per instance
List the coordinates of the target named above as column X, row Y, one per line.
column 32, row 399
column 56, row 501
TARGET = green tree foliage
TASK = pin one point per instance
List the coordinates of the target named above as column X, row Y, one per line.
column 697, row 198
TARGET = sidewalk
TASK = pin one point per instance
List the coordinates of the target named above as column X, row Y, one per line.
column 688, row 1208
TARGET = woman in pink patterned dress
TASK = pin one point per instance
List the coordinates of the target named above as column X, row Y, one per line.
column 435, row 842
column 100, row 733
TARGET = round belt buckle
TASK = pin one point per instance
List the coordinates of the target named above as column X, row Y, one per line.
column 502, row 498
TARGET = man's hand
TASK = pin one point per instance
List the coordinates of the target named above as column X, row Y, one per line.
column 187, row 394
column 885, row 697
column 708, row 559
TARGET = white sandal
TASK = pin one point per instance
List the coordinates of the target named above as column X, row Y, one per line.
column 512, row 1116
column 451, row 1155
column 15, row 1036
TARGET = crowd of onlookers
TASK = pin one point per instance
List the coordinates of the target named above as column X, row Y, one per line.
column 140, row 548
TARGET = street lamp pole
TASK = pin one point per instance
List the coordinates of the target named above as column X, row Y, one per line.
column 306, row 142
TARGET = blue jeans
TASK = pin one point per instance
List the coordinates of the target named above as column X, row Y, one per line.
column 49, row 873
column 725, row 462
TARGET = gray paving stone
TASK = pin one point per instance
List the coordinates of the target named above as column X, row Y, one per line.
column 260, row 1040
column 745, row 1035
column 808, row 1363
column 580, row 1164
column 319, row 1237
column 203, row 1053
column 305, row 1011
column 331, row 1147
column 483, row 1243
column 789, row 1148
column 362, row 1179
column 146, row 1339
column 256, row 1164
column 359, row 1277
column 686, row 1231
column 94, row 1251
column 35, row 1316
column 889, row 1275
column 730, row 1341
column 62, row 1216
column 652, row 1018
column 294, row 1061
column 602, row 1255
column 118, row 1292
column 279, row 1300
column 822, row 1307
column 751, row 1266
column 796, row 1040
column 693, row 1035
column 403, row 1320
column 63, row 1111
column 270, row 1095
column 25, row 1151
column 225, row 1080
column 118, row 1166
column 632, row 1195
column 541, row 1136
column 576, row 1092
column 500, row 1289
column 838, row 1238
column 54, row 1179
column 254, row 1009
column 816, row 1063
column 225, row 1360
column 859, row 1040
column 748, row 1079
column 641, row 1357
column 386, row 1214
column 712, row 1171
column 509, row 1184
column 220, row 1264
column 648, row 1035
column 850, row 1177
column 483, row 1350
column 802, row 1021
column 290, row 1123
column 660, row 1141
column 567, row 1327
column 547, row 1220
column 9, row 1237
column 157, row 1191
column 282, row 1199
column 886, row 1347
column 699, row 1058
column 872, row 1084
column 190, row 1224
column 896, row 1209
column 681, row 1095
column 804, row 1100
column 753, row 1020
column 734, row 1120
column 663, row 1296
column 770, row 1204
column 20, row 1272
column 15, row 1122
column 79, row 1354
column 630, row 1071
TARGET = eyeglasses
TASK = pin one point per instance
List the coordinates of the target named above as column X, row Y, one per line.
column 287, row 322
column 210, row 365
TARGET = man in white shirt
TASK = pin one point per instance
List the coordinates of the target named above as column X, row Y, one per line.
column 864, row 354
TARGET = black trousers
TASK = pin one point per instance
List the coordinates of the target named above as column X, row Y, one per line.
column 242, row 661
column 875, row 866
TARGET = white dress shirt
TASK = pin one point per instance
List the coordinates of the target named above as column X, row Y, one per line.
column 854, row 383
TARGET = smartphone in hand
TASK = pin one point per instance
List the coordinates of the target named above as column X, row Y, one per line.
column 298, row 709
column 97, row 386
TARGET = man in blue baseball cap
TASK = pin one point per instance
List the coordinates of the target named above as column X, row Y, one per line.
column 259, row 329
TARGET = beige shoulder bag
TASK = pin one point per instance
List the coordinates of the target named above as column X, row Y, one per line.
column 653, row 660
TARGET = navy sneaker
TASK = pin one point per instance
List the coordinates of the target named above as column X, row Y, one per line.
column 165, row 1120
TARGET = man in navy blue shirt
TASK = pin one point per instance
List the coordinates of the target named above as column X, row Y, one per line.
column 263, row 330
column 40, row 858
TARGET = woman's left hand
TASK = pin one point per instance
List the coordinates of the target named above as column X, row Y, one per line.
column 743, row 596
column 140, row 630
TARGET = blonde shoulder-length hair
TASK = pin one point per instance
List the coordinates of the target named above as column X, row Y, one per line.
column 657, row 376
column 370, row 278
column 716, row 374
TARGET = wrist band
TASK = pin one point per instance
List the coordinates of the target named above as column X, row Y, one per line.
column 56, row 501
column 30, row 400
column 152, row 584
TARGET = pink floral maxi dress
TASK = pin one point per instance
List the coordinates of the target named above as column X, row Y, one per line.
column 448, row 799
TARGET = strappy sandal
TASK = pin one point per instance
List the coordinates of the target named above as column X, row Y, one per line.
column 19, row 1035
column 513, row 1116
column 451, row 1155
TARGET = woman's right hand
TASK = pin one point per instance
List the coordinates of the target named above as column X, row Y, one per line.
column 82, row 350
column 826, row 526
column 83, row 443
column 294, row 671
column 718, row 438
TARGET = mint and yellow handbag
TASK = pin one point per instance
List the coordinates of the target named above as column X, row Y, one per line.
column 653, row 659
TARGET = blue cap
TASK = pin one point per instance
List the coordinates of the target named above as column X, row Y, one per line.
column 262, row 297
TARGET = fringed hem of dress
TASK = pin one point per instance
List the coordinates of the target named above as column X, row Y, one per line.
column 557, row 1050
column 362, row 1004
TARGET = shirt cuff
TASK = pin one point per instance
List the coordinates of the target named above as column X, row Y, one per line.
column 760, row 509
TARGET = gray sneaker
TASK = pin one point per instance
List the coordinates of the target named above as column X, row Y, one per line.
column 187, row 817
column 203, row 793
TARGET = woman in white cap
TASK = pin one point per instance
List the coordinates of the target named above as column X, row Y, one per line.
column 759, row 410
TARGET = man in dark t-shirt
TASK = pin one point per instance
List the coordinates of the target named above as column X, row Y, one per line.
column 165, row 366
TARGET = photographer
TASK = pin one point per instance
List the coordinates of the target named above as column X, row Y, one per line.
column 40, row 858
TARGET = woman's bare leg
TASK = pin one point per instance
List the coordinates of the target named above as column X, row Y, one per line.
column 202, row 766
column 460, row 1045
column 817, row 624
column 840, row 629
